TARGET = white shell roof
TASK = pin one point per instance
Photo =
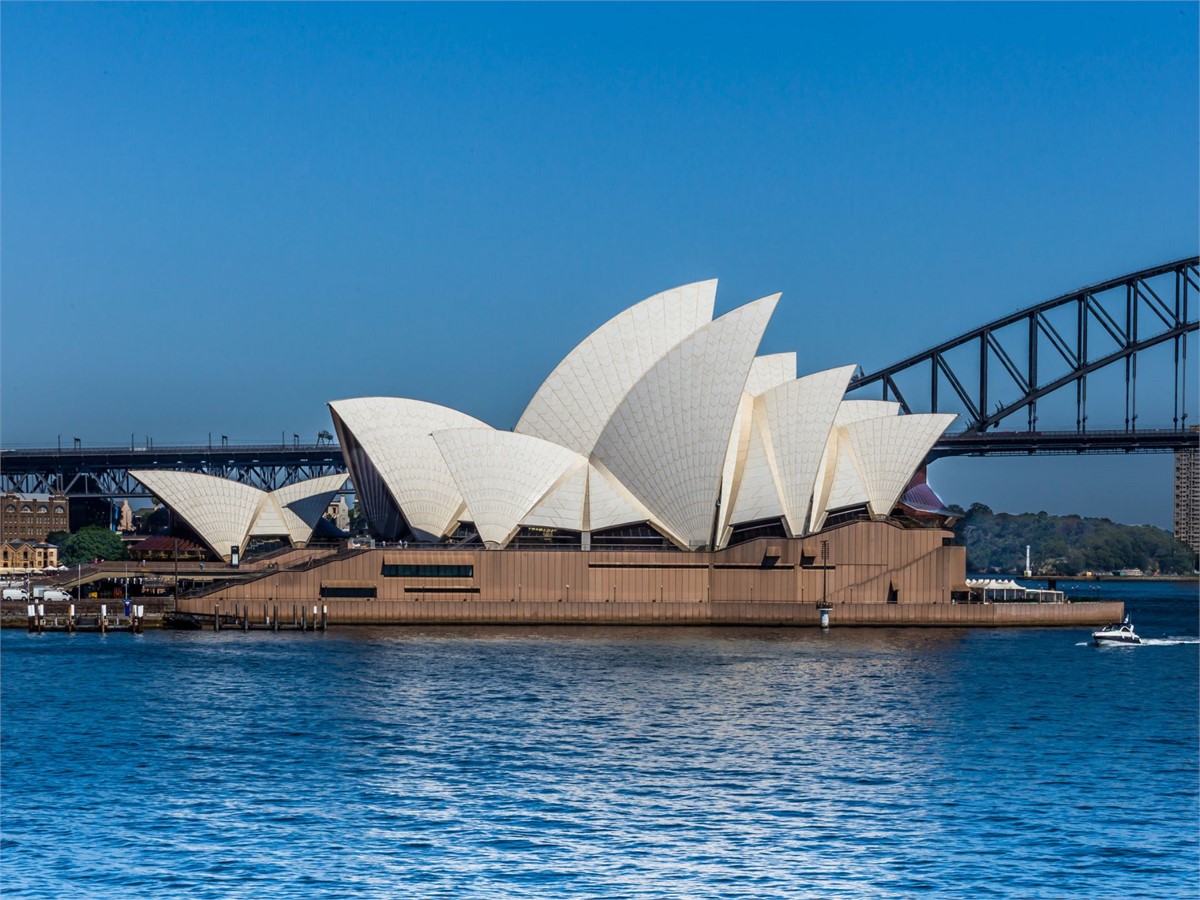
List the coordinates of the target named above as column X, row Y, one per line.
column 661, row 415
column 799, row 417
column 269, row 521
column 770, row 371
column 857, row 410
column 219, row 510
column 502, row 475
column 844, row 484
column 563, row 506
column 587, row 499
column 302, row 505
column 396, row 434
column 225, row 513
column 758, row 493
column 667, row 440
column 609, row 503
column 766, row 372
column 575, row 402
column 888, row 450
column 838, row 482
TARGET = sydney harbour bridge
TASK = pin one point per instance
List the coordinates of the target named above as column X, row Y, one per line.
column 1062, row 362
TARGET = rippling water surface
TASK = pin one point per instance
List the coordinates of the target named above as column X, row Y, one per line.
column 616, row 762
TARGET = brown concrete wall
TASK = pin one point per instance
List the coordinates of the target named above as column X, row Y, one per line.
column 535, row 612
column 865, row 559
column 763, row 582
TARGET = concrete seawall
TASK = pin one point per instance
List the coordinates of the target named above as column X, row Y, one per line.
column 532, row 612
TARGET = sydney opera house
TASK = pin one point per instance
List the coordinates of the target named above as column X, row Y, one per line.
column 663, row 462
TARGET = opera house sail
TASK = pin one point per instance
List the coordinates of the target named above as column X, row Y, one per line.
column 664, row 460
column 663, row 423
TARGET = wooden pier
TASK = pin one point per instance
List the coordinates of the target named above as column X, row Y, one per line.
column 70, row 623
column 256, row 617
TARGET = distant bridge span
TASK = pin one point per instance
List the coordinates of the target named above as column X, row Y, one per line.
column 104, row 471
column 990, row 374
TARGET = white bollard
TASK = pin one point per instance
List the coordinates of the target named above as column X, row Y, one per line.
column 825, row 616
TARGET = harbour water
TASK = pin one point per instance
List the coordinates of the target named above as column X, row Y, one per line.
column 610, row 762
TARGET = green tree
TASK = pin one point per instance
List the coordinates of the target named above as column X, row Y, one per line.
column 358, row 519
column 91, row 542
column 1067, row 545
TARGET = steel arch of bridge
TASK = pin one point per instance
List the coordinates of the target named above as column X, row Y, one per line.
column 1175, row 317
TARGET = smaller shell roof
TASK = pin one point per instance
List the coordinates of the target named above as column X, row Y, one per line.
column 888, row 450
column 503, row 475
column 226, row 513
column 799, row 417
column 396, row 433
column 303, row 504
column 220, row 511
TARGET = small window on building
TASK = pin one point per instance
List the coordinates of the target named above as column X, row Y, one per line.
column 391, row 570
column 347, row 593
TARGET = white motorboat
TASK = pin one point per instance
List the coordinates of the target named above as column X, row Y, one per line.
column 1116, row 634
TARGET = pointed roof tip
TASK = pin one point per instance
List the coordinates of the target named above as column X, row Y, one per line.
column 771, row 300
column 767, row 298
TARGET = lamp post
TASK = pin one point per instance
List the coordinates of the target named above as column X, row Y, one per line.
column 175, row 555
column 824, row 584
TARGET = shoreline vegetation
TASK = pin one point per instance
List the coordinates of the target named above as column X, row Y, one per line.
column 1070, row 547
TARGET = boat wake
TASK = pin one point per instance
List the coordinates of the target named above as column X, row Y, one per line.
column 1150, row 642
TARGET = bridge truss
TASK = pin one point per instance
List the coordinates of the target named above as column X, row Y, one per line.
column 1000, row 371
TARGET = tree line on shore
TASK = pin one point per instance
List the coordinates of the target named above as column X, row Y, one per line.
column 88, row 543
column 1066, row 545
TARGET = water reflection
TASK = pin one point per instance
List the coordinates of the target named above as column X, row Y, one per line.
column 596, row 761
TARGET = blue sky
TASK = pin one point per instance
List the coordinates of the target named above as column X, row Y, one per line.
column 218, row 217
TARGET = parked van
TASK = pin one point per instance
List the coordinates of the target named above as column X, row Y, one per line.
column 54, row 595
column 16, row 594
